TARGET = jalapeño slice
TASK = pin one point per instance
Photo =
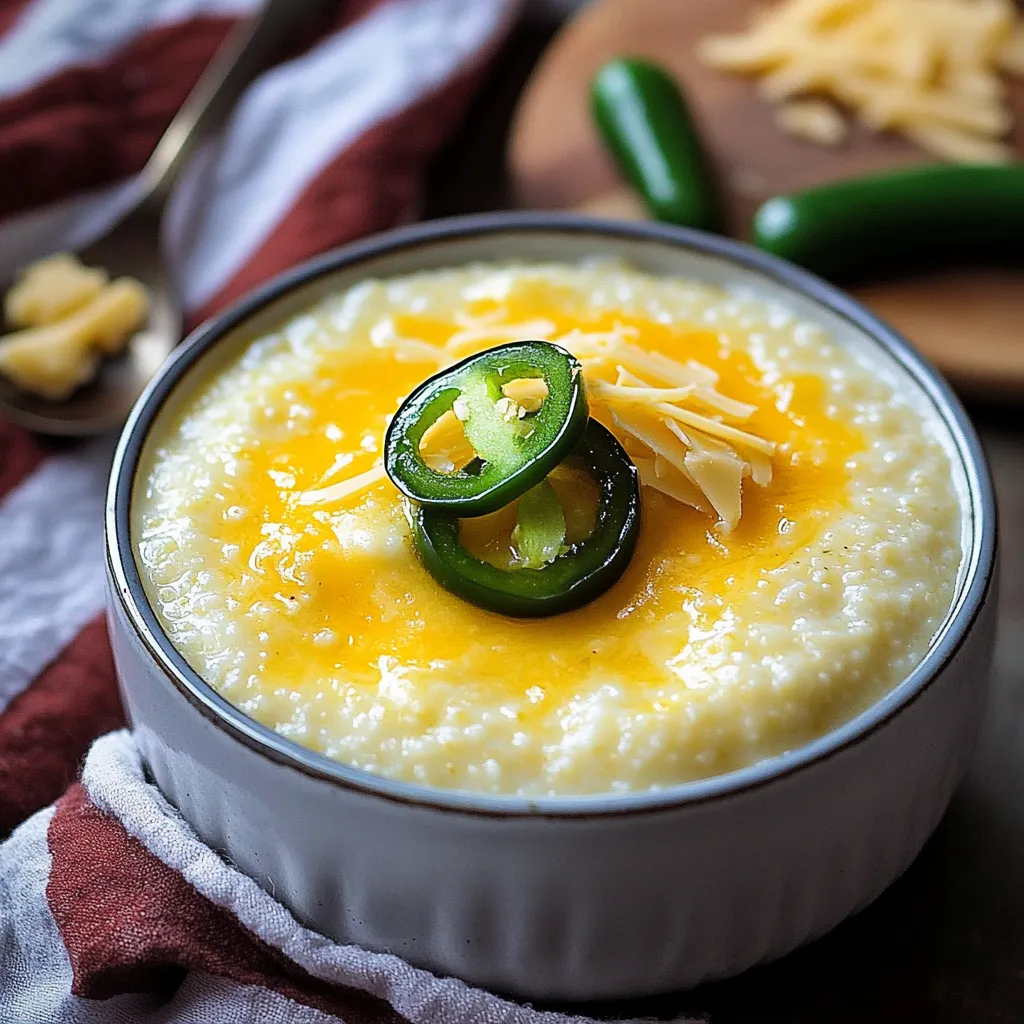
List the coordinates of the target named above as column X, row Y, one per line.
column 571, row 578
column 515, row 450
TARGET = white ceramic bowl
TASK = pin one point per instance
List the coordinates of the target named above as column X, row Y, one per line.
column 568, row 898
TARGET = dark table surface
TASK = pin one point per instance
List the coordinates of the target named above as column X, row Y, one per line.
column 945, row 944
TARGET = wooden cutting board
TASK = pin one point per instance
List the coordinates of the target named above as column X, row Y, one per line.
column 970, row 323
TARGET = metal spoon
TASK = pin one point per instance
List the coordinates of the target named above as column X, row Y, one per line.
column 132, row 246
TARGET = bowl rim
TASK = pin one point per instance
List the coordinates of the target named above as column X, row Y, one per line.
column 127, row 587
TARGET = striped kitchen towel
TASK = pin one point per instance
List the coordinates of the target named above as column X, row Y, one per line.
column 323, row 148
column 113, row 912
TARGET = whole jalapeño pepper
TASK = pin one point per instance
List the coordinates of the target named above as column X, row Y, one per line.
column 646, row 125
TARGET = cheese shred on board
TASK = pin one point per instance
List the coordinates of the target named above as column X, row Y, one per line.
column 929, row 69
column 685, row 437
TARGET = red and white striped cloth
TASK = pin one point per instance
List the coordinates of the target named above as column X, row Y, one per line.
column 111, row 910
column 321, row 149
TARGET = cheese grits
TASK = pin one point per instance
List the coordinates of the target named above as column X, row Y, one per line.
column 798, row 547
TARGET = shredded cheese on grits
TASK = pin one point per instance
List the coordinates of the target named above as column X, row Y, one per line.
column 681, row 429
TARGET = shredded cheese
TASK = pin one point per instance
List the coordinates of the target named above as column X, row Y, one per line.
column 815, row 120
column 343, row 488
column 408, row 350
column 703, row 395
column 929, row 69
column 760, row 468
column 469, row 338
column 674, row 430
column 636, row 360
column 660, row 476
column 638, row 394
column 654, row 433
column 716, row 429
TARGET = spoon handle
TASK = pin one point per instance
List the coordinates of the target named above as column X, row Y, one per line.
column 246, row 51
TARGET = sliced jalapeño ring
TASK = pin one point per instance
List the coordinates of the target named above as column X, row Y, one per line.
column 514, row 448
column 571, row 579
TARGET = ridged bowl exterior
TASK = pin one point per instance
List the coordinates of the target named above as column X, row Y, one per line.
column 577, row 907
column 604, row 899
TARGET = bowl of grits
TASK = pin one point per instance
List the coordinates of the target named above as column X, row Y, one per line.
column 614, row 731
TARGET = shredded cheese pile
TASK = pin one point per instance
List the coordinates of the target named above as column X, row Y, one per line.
column 930, row 69
column 680, row 431
column 685, row 437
